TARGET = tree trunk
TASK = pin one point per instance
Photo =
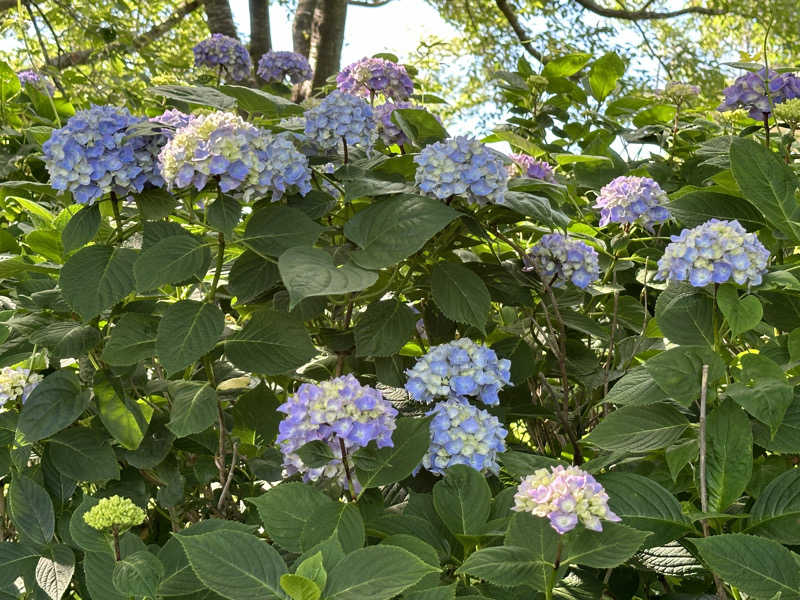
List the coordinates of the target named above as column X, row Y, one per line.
column 260, row 41
column 327, row 38
column 220, row 18
column 301, row 27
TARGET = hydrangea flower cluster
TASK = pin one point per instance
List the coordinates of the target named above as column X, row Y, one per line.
column 462, row 165
column 533, row 168
column 17, row 383
column 788, row 111
column 226, row 52
column 462, row 434
column 679, row 92
column 34, row 79
column 633, row 200
column 339, row 409
column 564, row 495
column 559, row 258
column 275, row 66
column 370, row 76
column 114, row 511
column 90, row 156
column 456, row 370
column 173, row 119
column 390, row 133
column 759, row 91
column 339, row 116
column 714, row 252
column 244, row 158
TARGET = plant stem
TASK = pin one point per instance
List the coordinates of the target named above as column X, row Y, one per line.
column 220, row 260
column 115, row 533
column 226, row 487
column 551, row 581
column 117, row 216
column 351, row 490
column 766, row 130
column 346, row 155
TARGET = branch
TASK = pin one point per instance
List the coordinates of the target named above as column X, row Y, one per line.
column 85, row 56
column 373, row 4
column 523, row 36
column 644, row 15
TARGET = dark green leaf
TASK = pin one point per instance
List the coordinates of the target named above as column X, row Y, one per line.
column 776, row 512
column 171, row 260
column 460, row 294
column 97, row 277
column 384, row 328
column 82, row 228
column 31, row 510
column 315, row 454
column 223, row 214
column 53, row 405
column 730, row 455
column 194, row 407
column 258, row 101
column 138, row 574
column 462, row 500
column 639, row 428
column 274, row 229
column 678, row 371
column 187, row 331
column 67, row 339
column 685, row 316
column 132, row 339
column 340, row 520
column 506, row 566
column 603, row 549
column 381, row 466
column 83, row 454
column 742, row 314
column 420, row 126
column 697, row 207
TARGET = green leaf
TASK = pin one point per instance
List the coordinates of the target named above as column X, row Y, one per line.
column 274, row 229
column 392, row 229
column 98, row 568
column 420, row 126
column 308, row 272
column 342, row 521
column 376, row 467
column 679, row 455
column 567, row 65
column 67, row 339
column 31, row 510
column 636, row 387
column 604, row 75
column 603, row 549
column 194, row 407
column 187, row 331
column 768, row 184
column 81, row 228
column 224, row 213
column 537, row 537
column 767, row 400
column 462, row 500
column 254, row 100
column 179, row 578
column 313, row 568
column 506, row 566
column 521, row 464
column 639, row 428
column 679, row 371
column 375, row 572
column 132, row 339
column 759, row 567
column 252, row 275
column 697, row 207
column 460, row 294
column 155, row 203
column 742, row 314
column 256, row 410
column 300, row 588
column 730, row 455
column 384, row 328
column 97, row 277
column 315, row 454
column 536, row 207
column 271, row 343
column 685, row 316
column 644, row 504
column 238, row 566
column 171, row 260
column 285, row 509
column 15, row 559
column 82, row 535
column 138, row 574
column 776, row 512
column 415, row 545
column 53, row 405
column 83, row 454
column 123, row 418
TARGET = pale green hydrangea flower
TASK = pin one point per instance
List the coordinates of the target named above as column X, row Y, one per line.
column 114, row 512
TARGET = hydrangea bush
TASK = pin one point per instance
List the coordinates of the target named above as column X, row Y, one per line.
column 248, row 352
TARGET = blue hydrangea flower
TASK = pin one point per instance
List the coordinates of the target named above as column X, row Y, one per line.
column 558, row 259
column 759, row 91
column 370, row 76
column 36, row 80
column 462, row 434
column 462, row 165
column 339, row 409
column 244, row 158
column 338, row 116
column 714, row 252
column 17, row 383
column 226, row 52
column 534, row 168
column 633, row 200
column 389, row 132
column 275, row 66
column 173, row 119
column 458, row 369
column 92, row 155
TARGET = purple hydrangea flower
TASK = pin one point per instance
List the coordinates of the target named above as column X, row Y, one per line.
column 462, row 434
column 558, row 258
column 92, row 155
column 714, row 252
column 370, row 76
column 244, row 158
column 534, row 168
column 339, row 409
column 275, row 66
column 633, row 200
column 456, row 370
column 759, row 91
column 338, row 116
column 462, row 165
column 226, row 52
column 173, row 119
column 36, row 80
column 390, row 133
column 565, row 496
column 17, row 383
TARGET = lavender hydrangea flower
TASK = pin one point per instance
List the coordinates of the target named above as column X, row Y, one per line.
column 370, row 76
column 91, row 155
column 245, row 158
column 714, row 252
column 339, row 116
column 533, row 168
column 559, row 258
column 339, row 409
column 390, row 133
column 633, row 200
column 17, row 383
column 36, row 80
column 226, row 52
column 759, row 91
column 461, row 165
column 456, row 370
column 462, row 434
column 276, row 66
column 173, row 119
column 565, row 496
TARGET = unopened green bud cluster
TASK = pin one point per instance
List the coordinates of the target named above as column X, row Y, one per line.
column 114, row 511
